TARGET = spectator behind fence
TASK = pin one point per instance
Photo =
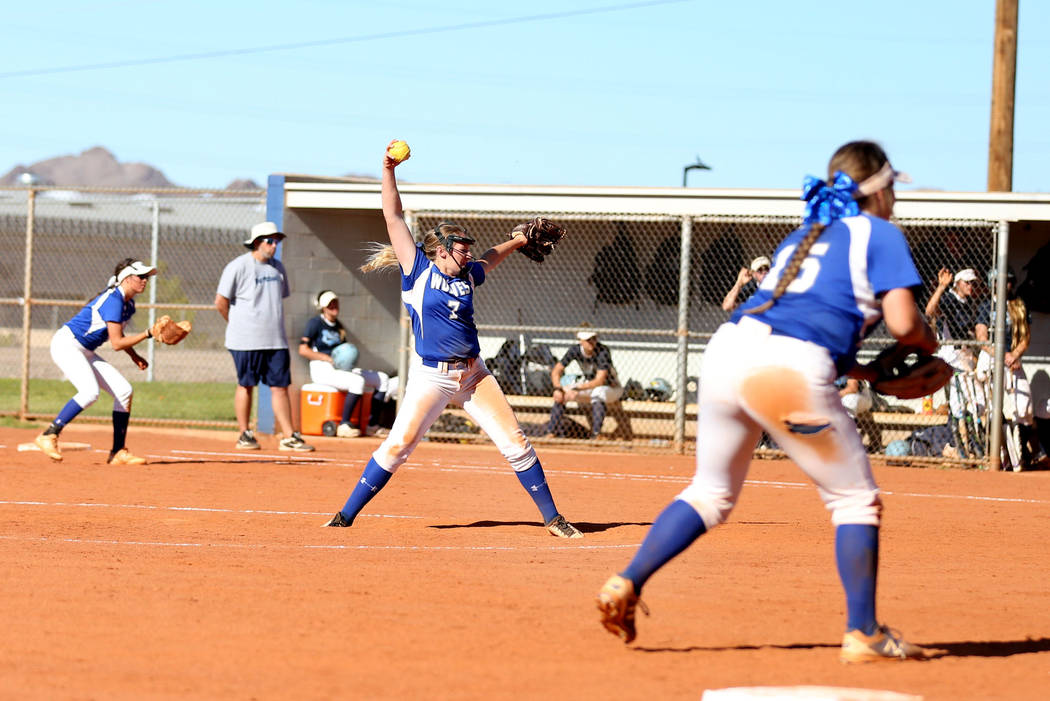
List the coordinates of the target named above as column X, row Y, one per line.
column 322, row 335
column 953, row 314
column 599, row 386
column 1017, row 394
column 251, row 299
column 747, row 281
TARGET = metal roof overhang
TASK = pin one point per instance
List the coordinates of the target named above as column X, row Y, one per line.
column 307, row 192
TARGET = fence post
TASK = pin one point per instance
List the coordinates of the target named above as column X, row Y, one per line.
column 27, row 308
column 995, row 425
column 154, row 236
column 682, row 354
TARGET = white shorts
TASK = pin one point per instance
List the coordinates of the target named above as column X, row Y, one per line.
column 88, row 372
column 356, row 381
column 752, row 381
column 427, row 393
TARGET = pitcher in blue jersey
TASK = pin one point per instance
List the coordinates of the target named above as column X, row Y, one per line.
column 438, row 279
column 73, row 350
column 773, row 366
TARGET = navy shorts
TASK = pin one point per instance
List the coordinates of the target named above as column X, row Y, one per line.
column 270, row 367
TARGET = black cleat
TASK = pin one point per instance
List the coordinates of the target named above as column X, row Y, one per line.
column 338, row 521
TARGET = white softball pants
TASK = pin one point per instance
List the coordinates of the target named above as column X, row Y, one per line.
column 752, row 381
column 427, row 393
column 356, row 381
column 88, row 372
column 605, row 393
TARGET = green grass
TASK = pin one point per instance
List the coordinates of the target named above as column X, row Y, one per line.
column 189, row 401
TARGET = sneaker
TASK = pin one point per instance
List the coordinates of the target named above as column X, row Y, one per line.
column 347, row 431
column 616, row 602
column 295, row 442
column 123, row 457
column 558, row 526
column 247, row 441
column 48, row 444
column 337, row 521
column 885, row 645
column 377, row 430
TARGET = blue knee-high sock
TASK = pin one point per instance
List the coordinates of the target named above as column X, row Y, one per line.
column 68, row 413
column 857, row 557
column 348, row 407
column 673, row 531
column 554, row 424
column 535, row 483
column 120, row 429
column 597, row 417
column 372, row 480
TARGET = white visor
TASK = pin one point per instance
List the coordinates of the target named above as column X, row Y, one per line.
column 585, row 335
column 882, row 180
column 137, row 268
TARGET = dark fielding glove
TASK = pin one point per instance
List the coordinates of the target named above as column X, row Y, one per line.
column 898, row 377
column 541, row 236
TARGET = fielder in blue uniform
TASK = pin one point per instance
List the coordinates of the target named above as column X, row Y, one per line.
column 73, row 347
column 438, row 279
column 773, row 366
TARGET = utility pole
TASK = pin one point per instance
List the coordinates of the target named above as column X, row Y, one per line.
column 1004, row 73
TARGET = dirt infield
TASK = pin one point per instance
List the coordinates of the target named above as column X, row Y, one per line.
column 204, row 575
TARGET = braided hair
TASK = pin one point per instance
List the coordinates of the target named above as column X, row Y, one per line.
column 857, row 159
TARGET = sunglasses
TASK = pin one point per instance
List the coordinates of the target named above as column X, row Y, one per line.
column 270, row 240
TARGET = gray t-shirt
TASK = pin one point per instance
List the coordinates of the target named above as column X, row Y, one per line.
column 256, row 292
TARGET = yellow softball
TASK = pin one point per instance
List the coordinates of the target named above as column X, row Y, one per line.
column 398, row 151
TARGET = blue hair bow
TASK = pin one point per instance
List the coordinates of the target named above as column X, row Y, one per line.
column 826, row 203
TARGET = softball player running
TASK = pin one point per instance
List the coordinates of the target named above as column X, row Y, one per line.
column 438, row 278
column 73, row 350
column 772, row 367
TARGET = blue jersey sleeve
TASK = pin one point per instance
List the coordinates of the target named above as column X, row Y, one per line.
column 890, row 264
column 420, row 264
column 112, row 309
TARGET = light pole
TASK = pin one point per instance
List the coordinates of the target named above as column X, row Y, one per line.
column 699, row 165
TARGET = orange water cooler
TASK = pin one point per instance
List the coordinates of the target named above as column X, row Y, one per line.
column 321, row 409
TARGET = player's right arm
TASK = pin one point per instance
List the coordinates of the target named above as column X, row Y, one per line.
column 396, row 228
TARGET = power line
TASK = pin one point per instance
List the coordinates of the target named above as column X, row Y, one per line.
column 331, row 42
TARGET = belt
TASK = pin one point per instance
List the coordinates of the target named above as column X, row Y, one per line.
column 450, row 364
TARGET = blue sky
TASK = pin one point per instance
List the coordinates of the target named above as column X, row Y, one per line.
column 599, row 93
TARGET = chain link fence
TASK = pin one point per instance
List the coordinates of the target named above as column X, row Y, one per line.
column 75, row 240
column 624, row 275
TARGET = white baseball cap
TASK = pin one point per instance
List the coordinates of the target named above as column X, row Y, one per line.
column 262, row 230
column 966, row 274
column 326, row 298
column 759, row 262
column 586, row 335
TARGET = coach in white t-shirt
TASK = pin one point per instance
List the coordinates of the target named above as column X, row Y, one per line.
column 251, row 298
